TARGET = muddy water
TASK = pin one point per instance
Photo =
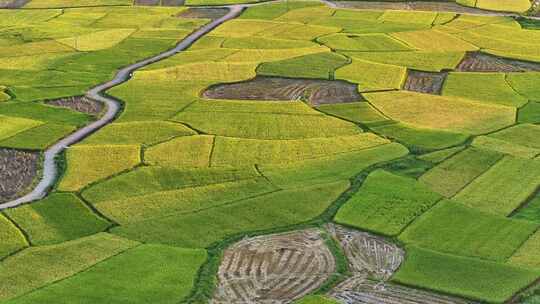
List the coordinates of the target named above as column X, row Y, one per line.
column 50, row 169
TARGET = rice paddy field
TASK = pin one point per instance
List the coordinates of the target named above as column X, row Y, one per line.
column 296, row 151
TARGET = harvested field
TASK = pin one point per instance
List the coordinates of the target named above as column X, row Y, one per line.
column 13, row 3
column 367, row 253
column 204, row 13
column 17, row 172
column 81, row 104
column 316, row 92
column 274, row 269
column 481, row 62
column 370, row 292
column 425, row 82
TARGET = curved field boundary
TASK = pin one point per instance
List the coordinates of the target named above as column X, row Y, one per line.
column 436, row 6
column 50, row 169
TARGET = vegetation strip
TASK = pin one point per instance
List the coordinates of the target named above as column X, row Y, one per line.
column 50, row 170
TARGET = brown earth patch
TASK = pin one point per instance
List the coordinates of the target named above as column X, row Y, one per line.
column 368, row 254
column 81, row 104
column 147, row 2
column 18, row 169
column 480, row 62
column 425, row 82
column 13, row 3
column 274, row 268
column 435, row 6
column 372, row 261
column 370, row 292
column 160, row 2
column 313, row 91
column 204, row 13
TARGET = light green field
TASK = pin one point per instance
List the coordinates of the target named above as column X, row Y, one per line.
column 493, row 88
column 386, row 204
column 511, row 181
column 358, row 112
column 58, row 218
column 526, row 255
column 40, row 266
column 453, row 228
column 201, row 229
column 452, row 175
column 367, row 42
column 322, row 65
column 266, row 126
column 12, row 238
column 145, row 206
column 132, row 133
column 238, row 152
column 316, row 300
column 421, row 60
column 372, row 76
column 420, row 138
column 150, row 179
column 461, row 276
column 76, row 3
column 147, row 273
column 182, row 201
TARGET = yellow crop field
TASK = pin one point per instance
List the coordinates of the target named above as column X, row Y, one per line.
column 90, row 163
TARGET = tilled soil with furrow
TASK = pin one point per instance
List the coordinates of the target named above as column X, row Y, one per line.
column 203, row 13
column 425, row 82
column 81, row 104
column 481, row 62
column 313, row 91
column 13, row 3
column 274, row 269
column 18, row 169
column 367, row 253
column 371, row 292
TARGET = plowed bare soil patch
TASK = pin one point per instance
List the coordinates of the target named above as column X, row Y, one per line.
column 314, row 91
column 79, row 103
column 274, row 269
column 204, row 13
column 147, row 2
column 368, row 254
column 160, row 2
column 13, row 3
column 372, row 261
column 371, row 292
column 425, row 82
column 17, row 172
column 413, row 5
column 480, row 62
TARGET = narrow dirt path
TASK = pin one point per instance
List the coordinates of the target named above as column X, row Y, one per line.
column 50, row 170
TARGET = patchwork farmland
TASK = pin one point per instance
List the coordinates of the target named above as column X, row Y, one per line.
column 248, row 151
